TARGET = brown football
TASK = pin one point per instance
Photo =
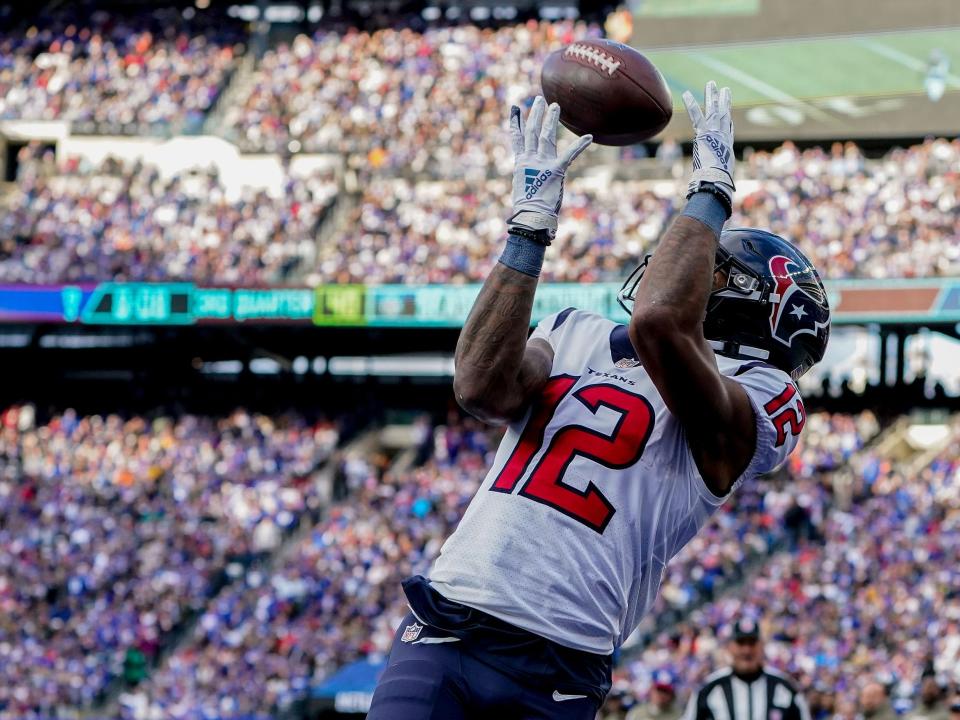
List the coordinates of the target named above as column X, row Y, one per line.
column 607, row 89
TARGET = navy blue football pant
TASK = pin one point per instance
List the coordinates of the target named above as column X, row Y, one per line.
column 430, row 678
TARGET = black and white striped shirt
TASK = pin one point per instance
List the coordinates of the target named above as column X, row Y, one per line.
column 724, row 696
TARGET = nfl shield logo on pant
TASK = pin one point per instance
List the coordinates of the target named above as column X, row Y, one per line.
column 411, row 633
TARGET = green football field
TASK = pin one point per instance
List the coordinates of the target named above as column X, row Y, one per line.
column 787, row 71
column 696, row 8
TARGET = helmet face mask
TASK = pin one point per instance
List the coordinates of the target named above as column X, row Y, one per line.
column 628, row 292
column 770, row 304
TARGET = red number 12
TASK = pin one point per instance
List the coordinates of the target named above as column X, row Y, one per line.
column 786, row 417
column 619, row 449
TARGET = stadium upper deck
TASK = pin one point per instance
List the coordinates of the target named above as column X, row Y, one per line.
column 150, row 72
column 80, row 223
column 389, row 106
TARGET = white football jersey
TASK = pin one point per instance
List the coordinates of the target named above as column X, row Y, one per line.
column 595, row 490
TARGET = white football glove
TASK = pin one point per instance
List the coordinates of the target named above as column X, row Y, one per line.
column 713, row 158
column 538, row 173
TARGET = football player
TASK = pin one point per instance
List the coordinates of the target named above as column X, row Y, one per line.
column 621, row 440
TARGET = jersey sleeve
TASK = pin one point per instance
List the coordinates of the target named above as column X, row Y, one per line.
column 553, row 327
column 778, row 412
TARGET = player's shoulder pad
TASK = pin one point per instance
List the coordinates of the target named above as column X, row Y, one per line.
column 561, row 317
column 577, row 315
column 573, row 333
column 771, row 386
column 591, row 327
column 572, row 320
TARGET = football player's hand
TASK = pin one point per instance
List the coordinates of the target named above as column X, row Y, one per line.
column 538, row 171
column 713, row 158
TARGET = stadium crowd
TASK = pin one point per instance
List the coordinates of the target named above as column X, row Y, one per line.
column 127, row 222
column 334, row 596
column 873, row 600
column 896, row 217
column 406, row 232
column 331, row 598
column 853, row 217
column 761, row 518
column 430, row 101
column 400, row 106
column 113, row 530
column 113, row 74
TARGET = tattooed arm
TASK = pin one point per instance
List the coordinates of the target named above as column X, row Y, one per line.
column 667, row 322
column 497, row 370
column 667, row 331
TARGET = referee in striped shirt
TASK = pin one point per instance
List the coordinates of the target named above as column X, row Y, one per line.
column 747, row 690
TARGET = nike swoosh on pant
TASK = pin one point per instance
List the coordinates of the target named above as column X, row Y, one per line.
column 560, row 697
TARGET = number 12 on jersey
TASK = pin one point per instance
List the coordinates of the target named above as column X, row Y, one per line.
column 618, row 449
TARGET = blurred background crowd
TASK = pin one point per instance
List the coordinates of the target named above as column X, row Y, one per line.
column 869, row 595
column 420, row 117
column 89, row 223
column 149, row 523
column 430, row 101
column 116, row 530
column 116, row 74
column 201, row 565
column 64, row 222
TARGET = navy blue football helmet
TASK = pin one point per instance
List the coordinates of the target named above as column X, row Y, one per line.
column 773, row 307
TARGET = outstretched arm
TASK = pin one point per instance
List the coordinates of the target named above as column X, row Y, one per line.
column 667, row 322
column 498, row 371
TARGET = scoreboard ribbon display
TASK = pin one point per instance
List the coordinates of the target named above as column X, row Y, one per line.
column 854, row 302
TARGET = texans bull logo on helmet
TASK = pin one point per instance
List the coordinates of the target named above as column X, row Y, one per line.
column 796, row 312
column 772, row 304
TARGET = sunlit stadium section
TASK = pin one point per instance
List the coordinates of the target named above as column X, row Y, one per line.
column 239, row 242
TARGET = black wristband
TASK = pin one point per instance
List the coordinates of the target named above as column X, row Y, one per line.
column 538, row 236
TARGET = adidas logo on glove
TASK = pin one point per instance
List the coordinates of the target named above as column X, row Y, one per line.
column 533, row 180
column 719, row 149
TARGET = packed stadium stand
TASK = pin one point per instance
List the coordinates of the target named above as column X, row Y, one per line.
column 174, row 563
column 113, row 221
column 871, row 594
column 116, row 530
column 133, row 489
column 421, row 104
column 67, row 222
column 406, row 100
column 116, row 75
column 334, row 595
column 146, row 518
